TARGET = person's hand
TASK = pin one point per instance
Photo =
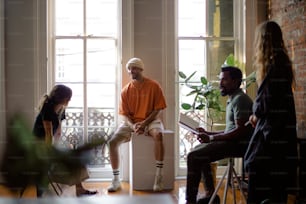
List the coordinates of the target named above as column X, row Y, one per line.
column 203, row 137
column 138, row 128
column 253, row 120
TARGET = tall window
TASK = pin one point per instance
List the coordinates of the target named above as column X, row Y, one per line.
column 85, row 55
column 205, row 38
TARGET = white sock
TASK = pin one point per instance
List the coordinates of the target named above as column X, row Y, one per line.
column 159, row 168
column 116, row 174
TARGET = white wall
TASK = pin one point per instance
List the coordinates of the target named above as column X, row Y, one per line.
column 23, row 55
column 151, row 38
column 22, row 60
column 154, row 43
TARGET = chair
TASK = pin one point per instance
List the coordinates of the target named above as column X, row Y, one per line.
column 56, row 186
column 55, row 183
column 231, row 175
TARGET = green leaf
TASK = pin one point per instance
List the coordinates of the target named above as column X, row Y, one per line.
column 182, row 75
column 188, row 78
column 192, row 93
column 204, row 80
column 194, row 87
column 200, row 107
column 251, row 76
column 186, row 106
column 230, row 60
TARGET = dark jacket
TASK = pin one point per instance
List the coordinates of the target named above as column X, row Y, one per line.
column 274, row 141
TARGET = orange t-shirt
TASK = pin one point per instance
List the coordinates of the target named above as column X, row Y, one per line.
column 138, row 100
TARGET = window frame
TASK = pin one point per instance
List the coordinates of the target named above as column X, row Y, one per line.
column 96, row 172
column 239, row 52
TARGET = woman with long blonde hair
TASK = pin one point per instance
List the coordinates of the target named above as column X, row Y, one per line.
column 271, row 158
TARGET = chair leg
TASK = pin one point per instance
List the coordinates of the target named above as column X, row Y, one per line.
column 228, row 180
column 239, row 181
column 218, row 186
column 231, row 176
column 22, row 192
column 56, row 187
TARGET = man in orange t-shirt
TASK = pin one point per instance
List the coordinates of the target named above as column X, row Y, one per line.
column 142, row 100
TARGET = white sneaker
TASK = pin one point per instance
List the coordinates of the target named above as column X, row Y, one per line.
column 158, row 183
column 115, row 186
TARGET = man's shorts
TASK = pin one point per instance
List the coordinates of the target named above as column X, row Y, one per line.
column 124, row 131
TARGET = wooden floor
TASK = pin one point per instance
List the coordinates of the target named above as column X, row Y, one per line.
column 178, row 193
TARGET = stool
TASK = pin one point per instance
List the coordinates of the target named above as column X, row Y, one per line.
column 231, row 175
column 74, row 141
column 142, row 162
column 55, row 186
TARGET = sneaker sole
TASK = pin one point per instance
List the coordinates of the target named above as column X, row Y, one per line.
column 157, row 189
column 113, row 190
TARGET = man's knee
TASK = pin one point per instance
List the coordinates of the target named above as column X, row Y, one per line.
column 113, row 146
column 158, row 137
column 190, row 156
column 114, row 142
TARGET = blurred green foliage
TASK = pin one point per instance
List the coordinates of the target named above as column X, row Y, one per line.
column 27, row 160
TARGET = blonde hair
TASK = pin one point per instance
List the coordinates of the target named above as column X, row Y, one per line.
column 268, row 41
column 57, row 95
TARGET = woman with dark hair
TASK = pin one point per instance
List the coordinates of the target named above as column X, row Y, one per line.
column 47, row 125
column 271, row 158
column 51, row 113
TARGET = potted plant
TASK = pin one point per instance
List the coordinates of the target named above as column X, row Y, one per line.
column 206, row 103
column 248, row 80
column 207, row 106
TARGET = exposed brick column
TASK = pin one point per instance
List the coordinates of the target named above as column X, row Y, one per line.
column 290, row 14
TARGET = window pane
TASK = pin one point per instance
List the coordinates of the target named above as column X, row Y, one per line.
column 69, row 23
column 191, row 57
column 101, row 60
column 216, row 54
column 77, row 99
column 101, row 95
column 69, row 61
column 220, row 18
column 200, row 23
column 191, row 14
column 102, row 17
column 86, row 59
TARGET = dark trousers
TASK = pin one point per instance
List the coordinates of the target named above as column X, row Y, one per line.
column 268, row 182
column 39, row 191
column 198, row 163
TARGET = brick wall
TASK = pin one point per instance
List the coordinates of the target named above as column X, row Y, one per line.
column 290, row 15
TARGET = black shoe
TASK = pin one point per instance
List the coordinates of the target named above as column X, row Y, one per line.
column 206, row 200
column 87, row 193
column 266, row 201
